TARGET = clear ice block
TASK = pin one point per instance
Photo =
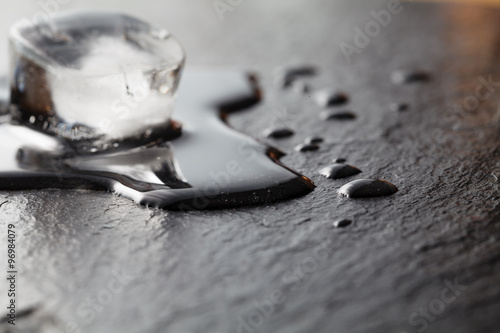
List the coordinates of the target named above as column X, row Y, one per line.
column 100, row 77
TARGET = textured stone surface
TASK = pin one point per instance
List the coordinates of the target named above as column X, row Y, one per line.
column 202, row 271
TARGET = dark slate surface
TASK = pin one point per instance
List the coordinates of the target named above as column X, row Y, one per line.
column 211, row 271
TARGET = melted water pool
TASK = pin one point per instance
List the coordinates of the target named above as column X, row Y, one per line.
column 209, row 166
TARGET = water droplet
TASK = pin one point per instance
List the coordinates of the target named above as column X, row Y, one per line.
column 307, row 147
column 399, row 107
column 284, row 77
column 338, row 170
column 32, row 119
column 327, row 98
column 365, row 188
column 405, row 76
column 338, row 115
column 278, row 133
column 342, row 223
column 314, row 139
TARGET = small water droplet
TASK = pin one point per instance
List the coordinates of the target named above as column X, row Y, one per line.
column 338, row 115
column 278, row 133
column 307, row 147
column 326, row 98
column 32, row 119
column 405, row 76
column 338, row 170
column 284, row 77
column 314, row 139
column 365, row 188
column 305, row 70
column 342, row 223
column 399, row 107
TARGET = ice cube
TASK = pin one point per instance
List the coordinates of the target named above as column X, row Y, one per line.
column 93, row 75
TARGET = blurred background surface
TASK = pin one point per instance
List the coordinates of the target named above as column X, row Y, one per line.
column 174, row 15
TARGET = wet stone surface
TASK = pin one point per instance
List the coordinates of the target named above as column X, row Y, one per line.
column 211, row 271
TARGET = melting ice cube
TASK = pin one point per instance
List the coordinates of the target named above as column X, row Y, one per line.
column 94, row 76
